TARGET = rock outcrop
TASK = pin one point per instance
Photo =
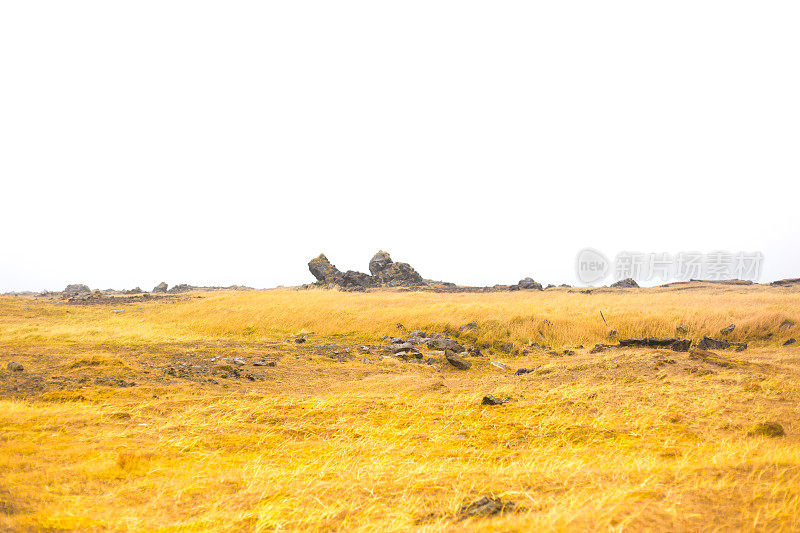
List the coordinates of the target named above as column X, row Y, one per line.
column 529, row 283
column 75, row 290
column 384, row 272
column 627, row 283
column 393, row 274
column 324, row 270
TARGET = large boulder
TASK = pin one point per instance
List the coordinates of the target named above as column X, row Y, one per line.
column 75, row 289
column 529, row 283
column 627, row 283
column 393, row 274
column 379, row 262
column 161, row 287
column 324, row 270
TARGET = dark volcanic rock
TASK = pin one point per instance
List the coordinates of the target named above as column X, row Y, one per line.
column 75, row 289
column 682, row 345
column 492, row 400
column 529, row 283
column 15, row 367
column 648, row 341
column 709, row 343
column 626, row 283
column 789, row 342
column 444, row 343
column 485, row 506
column 161, row 287
column 456, row 360
column 728, row 329
column 324, row 271
column 352, row 279
column 393, row 274
column 600, row 348
column 183, row 287
column 379, row 262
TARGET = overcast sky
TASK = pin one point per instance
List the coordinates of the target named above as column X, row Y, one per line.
column 230, row 142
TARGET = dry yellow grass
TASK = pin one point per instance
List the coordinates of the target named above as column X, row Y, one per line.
column 97, row 434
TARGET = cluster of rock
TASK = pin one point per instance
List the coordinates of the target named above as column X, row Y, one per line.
column 383, row 273
column 78, row 292
column 454, row 352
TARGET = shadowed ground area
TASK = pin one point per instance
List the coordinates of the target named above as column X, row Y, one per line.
column 286, row 410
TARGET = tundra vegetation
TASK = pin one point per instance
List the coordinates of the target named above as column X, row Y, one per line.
column 298, row 410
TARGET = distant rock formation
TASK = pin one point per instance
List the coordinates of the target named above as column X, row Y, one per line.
column 393, row 274
column 384, row 273
column 76, row 290
column 529, row 283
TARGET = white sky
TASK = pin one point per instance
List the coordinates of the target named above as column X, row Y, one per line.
column 230, row 142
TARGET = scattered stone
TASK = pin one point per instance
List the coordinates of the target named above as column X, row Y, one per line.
column 627, row 283
column 790, row 341
column 600, row 348
column 445, row 343
column 681, row 330
column 240, row 362
column 786, row 325
column 728, row 329
column 782, row 282
column 364, row 349
column 300, row 340
column 612, row 334
column 404, row 347
column 508, row 347
column 529, row 283
column 419, row 333
column 709, row 343
column 485, row 506
column 682, row 345
column 492, row 400
column 161, row 287
column 469, row 326
column 456, row 360
column 569, row 352
column 521, row 371
column 15, row 367
column 500, row 365
column 766, row 429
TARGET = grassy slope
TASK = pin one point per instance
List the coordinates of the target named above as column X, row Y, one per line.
column 621, row 439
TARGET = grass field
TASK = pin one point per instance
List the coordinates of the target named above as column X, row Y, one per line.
column 150, row 416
